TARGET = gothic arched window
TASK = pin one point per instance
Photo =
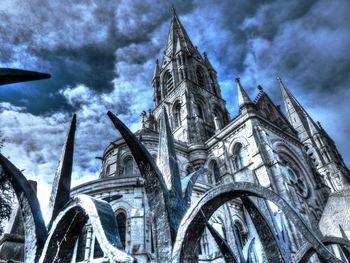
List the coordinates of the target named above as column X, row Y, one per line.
column 177, row 115
column 167, row 82
column 200, row 77
column 217, row 120
column 108, row 170
column 128, row 166
column 215, row 172
column 241, row 158
column 121, row 222
column 240, row 236
column 296, row 179
column 200, row 111
column 81, row 244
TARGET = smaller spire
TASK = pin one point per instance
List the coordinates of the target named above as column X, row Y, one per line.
column 156, row 70
column 243, row 98
column 142, row 119
column 292, row 105
column 173, row 10
column 312, row 125
column 179, row 46
column 285, row 91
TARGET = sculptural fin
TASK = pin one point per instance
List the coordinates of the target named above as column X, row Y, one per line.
column 60, row 192
column 144, row 160
column 191, row 182
column 35, row 229
column 249, row 246
column 157, row 193
column 68, row 224
column 225, row 249
column 10, row 75
column 167, row 160
column 276, row 252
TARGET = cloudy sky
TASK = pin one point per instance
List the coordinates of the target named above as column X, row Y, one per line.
column 101, row 56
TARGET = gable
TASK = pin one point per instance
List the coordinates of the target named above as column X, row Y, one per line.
column 267, row 109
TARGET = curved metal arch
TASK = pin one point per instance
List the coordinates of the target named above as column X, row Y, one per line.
column 305, row 252
column 35, row 230
column 155, row 187
column 194, row 221
column 269, row 236
column 69, row 223
column 224, row 247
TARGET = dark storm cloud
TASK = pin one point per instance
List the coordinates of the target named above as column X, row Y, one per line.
column 76, row 41
column 101, row 55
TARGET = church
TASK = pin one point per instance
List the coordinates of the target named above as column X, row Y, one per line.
column 291, row 154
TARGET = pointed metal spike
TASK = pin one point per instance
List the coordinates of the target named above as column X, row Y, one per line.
column 274, row 222
column 167, row 160
column 143, row 158
column 35, row 230
column 167, row 217
column 225, row 249
column 9, row 75
column 343, row 232
column 191, row 182
column 60, row 192
column 276, row 251
column 250, row 250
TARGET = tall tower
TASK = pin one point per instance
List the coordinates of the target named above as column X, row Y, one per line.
column 185, row 83
column 317, row 143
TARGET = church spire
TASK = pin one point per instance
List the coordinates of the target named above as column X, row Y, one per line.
column 319, row 146
column 243, row 98
column 178, row 37
column 293, row 107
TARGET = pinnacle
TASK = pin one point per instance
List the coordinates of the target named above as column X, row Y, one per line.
column 243, row 98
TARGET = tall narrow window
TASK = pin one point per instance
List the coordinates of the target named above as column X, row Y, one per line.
column 177, row 115
column 215, row 172
column 240, row 157
column 121, row 221
column 200, row 111
column 243, row 156
column 200, row 77
column 204, row 244
column 108, row 170
column 217, row 120
column 128, row 167
column 81, row 245
column 168, row 82
column 239, row 235
column 152, row 240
